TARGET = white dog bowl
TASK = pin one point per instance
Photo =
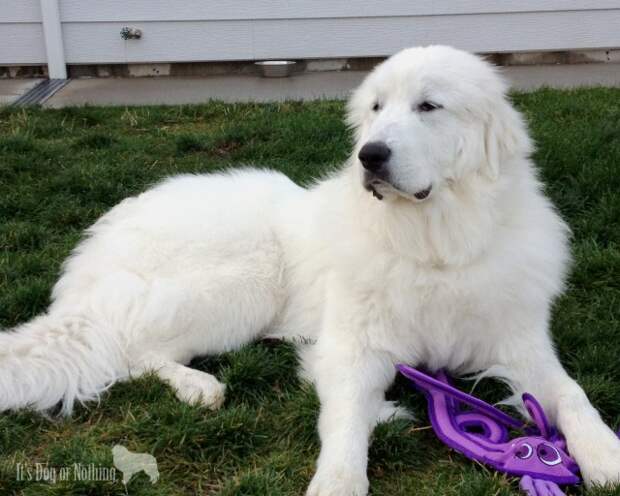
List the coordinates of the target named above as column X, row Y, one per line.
column 276, row 68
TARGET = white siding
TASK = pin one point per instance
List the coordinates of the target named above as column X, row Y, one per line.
column 165, row 10
column 215, row 30
column 21, row 32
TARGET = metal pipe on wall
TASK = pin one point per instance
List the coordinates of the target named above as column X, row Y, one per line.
column 52, row 32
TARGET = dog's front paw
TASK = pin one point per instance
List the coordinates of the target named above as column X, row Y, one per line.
column 600, row 463
column 602, row 472
column 338, row 482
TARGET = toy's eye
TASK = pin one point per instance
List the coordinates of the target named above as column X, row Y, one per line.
column 549, row 455
column 427, row 106
column 376, row 107
column 524, row 451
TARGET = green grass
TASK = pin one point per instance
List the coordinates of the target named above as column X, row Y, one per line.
column 61, row 169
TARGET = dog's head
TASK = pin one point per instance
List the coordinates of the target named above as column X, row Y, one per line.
column 429, row 116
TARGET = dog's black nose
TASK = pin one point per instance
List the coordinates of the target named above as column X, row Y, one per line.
column 374, row 155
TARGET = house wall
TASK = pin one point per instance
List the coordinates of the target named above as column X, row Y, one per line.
column 21, row 32
column 224, row 30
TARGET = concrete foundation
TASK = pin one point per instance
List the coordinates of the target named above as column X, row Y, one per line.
column 306, row 86
column 203, row 69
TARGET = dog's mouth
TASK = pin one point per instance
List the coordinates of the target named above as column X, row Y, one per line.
column 372, row 187
column 378, row 188
column 423, row 194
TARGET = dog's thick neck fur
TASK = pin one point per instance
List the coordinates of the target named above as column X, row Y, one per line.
column 437, row 233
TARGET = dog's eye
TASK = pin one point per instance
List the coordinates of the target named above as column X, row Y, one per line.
column 428, row 106
column 376, row 107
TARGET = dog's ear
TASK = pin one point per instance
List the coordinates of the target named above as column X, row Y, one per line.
column 356, row 109
column 505, row 138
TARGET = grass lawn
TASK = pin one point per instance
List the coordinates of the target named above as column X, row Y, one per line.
column 61, row 169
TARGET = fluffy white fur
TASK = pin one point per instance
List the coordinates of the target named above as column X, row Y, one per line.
column 203, row 264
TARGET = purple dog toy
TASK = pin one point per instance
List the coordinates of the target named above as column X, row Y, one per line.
column 480, row 432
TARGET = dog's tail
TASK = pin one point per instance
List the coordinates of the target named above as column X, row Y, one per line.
column 53, row 361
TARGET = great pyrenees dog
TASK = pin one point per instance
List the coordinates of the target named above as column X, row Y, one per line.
column 433, row 245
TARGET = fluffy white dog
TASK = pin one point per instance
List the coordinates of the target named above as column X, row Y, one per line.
column 434, row 246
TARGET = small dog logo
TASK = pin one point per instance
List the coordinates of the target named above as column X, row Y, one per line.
column 132, row 463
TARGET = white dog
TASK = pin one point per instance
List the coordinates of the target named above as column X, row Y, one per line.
column 434, row 246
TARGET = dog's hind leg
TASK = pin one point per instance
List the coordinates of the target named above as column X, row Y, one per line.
column 191, row 386
column 390, row 411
